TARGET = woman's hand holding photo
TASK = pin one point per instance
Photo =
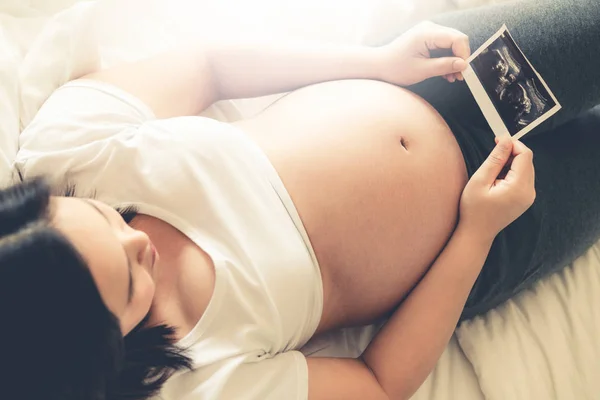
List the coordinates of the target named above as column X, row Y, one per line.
column 491, row 200
column 407, row 60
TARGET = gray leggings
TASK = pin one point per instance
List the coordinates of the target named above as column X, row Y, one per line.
column 561, row 38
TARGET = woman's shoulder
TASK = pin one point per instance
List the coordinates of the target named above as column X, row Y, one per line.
column 86, row 111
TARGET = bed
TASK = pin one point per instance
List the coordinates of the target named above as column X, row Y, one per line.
column 543, row 344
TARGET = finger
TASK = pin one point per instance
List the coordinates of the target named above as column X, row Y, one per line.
column 443, row 66
column 459, row 76
column 506, row 169
column 522, row 163
column 521, row 172
column 520, row 147
column 442, row 37
column 493, row 165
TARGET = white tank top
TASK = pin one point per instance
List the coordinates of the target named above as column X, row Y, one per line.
column 215, row 185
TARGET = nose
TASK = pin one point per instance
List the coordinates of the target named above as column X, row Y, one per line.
column 136, row 244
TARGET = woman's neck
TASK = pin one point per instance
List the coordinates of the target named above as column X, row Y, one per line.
column 184, row 277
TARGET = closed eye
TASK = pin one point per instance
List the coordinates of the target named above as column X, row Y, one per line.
column 130, row 287
column 128, row 213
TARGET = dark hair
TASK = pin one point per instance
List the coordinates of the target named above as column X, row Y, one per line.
column 58, row 339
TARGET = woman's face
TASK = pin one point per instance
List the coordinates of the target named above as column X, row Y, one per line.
column 120, row 258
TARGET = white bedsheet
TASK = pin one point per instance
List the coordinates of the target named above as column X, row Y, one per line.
column 541, row 345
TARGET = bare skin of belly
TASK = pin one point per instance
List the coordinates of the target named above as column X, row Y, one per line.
column 376, row 176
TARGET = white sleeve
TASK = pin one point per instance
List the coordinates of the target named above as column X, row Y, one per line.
column 284, row 376
column 81, row 112
column 75, row 133
column 107, row 143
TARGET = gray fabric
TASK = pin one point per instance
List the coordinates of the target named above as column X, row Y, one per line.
column 561, row 38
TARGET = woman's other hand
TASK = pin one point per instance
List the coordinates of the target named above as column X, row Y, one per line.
column 500, row 190
column 407, row 60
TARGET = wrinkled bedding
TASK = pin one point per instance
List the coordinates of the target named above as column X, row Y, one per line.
column 542, row 344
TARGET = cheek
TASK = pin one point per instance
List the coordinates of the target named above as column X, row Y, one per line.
column 140, row 303
column 145, row 293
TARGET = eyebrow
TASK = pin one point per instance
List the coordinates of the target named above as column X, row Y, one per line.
column 130, row 287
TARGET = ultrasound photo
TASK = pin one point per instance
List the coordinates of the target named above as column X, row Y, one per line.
column 517, row 92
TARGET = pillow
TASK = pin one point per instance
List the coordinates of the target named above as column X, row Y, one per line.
column 65, row 48
column 9, row 99
column 30, row 46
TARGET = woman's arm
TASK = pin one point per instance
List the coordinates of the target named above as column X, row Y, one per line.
column 405, row 351
column 407, row 348
column 187, row 80
column 251, row 70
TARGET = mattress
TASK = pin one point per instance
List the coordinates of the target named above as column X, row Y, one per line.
column 543, row 344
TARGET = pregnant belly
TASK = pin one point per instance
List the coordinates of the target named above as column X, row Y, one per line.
column 376, row 176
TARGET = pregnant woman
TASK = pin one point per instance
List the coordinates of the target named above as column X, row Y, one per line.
column 192, row 258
